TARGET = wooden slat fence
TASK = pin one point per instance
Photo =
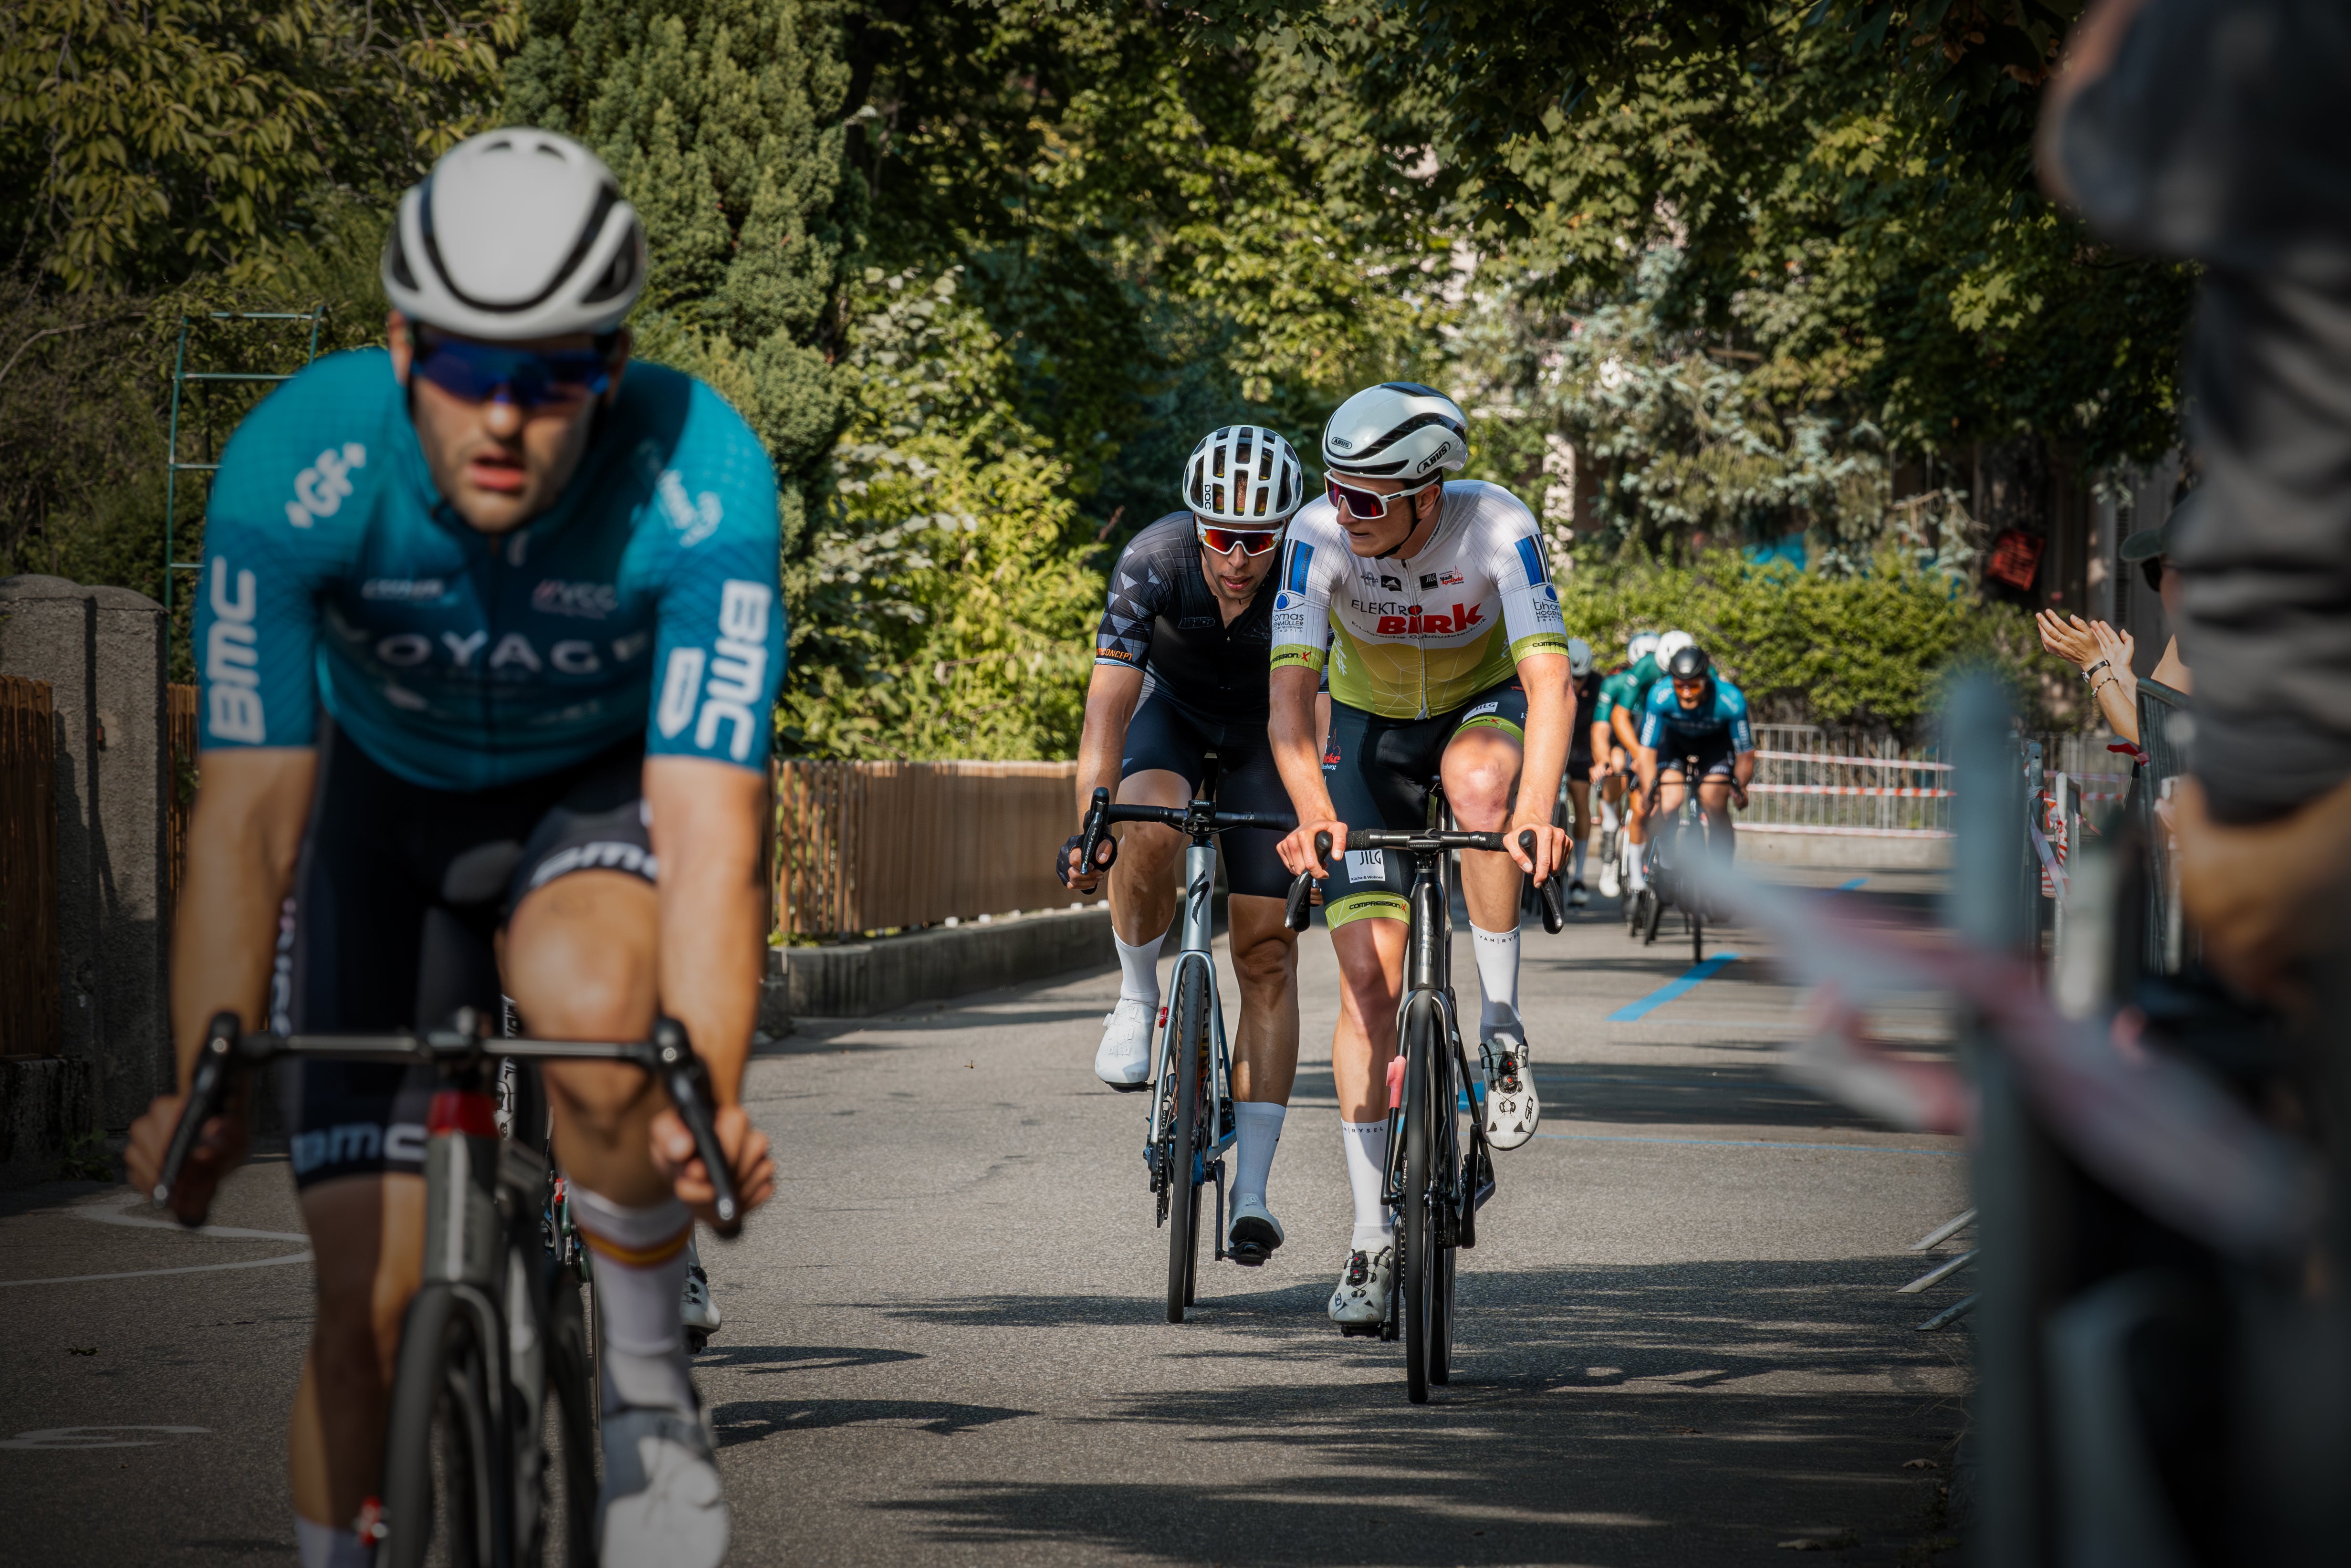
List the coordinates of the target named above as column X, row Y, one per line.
column 868, row 846
column 29, row 1021
column 183, row 781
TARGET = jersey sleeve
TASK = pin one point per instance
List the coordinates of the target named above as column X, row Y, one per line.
column 1653, row 722
column 1138, row 594
column 1734, row 711
column 275, row 528
column 1522, row 572
column 719, row 629
column 1302, row 606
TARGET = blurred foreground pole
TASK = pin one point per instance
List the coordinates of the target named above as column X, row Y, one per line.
column 2012, row 1157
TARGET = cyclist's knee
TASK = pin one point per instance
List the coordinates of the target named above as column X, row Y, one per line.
column 578, row 958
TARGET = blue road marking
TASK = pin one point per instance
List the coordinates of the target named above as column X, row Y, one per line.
column 1671, row 989
column 1849, row 886
column 1757, row 1143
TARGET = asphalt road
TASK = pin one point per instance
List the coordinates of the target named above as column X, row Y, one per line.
column 944, row 1341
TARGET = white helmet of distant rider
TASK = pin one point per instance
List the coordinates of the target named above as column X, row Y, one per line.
column 1396, row 430
column 1642, row 642
column 515, row 235
column 1579, row 657
column 1244, row 477
column 1669, row 644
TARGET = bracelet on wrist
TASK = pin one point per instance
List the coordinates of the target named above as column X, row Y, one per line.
column 2089, row 671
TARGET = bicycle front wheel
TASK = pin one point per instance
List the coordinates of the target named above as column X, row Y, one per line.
column 1189, row 1062
column 1417, row 1271
column 563, row 1532
column 440, row 1470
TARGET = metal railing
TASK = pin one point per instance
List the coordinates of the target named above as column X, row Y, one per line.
column 1808, row 782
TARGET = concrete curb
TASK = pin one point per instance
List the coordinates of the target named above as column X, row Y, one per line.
column 859, row 979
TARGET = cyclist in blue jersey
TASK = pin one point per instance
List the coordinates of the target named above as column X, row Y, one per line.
column 489, row 634
column 1695, row 713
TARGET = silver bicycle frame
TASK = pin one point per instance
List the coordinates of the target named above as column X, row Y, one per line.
column 1199, row 879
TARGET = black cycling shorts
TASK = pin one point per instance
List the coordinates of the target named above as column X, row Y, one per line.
column 1168, row 737
column 398, row 892
column 1713, row 753
column 1379, row 772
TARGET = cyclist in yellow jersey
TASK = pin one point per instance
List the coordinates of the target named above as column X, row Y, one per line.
column 1448, row 659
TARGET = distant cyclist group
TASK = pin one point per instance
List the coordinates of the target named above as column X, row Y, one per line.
column 489, row 635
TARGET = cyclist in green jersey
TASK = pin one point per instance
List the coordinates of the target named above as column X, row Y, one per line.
column 1612, row 763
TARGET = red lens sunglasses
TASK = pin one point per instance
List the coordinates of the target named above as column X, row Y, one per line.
column 1367, row 505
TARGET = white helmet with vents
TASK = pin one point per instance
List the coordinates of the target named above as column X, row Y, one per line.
column 516, row 234
column 1245, row 476
column 1396, row 430
column 1669, row 644
column 1642, row 642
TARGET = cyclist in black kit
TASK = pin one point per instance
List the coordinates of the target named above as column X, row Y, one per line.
column 1180, row 671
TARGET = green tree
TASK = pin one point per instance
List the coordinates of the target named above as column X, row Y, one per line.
column 722, row 122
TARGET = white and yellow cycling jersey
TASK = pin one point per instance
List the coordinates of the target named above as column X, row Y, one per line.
column 1410, row 638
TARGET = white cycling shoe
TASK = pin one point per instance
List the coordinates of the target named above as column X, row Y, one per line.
column 1362, row 1299
column 1609, row 882
column 661, row 1506
column 1123, row 1058
column 1253, row 1234
column 1513, row 1109
column 698, row 1310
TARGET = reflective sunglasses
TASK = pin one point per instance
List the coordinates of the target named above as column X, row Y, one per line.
column 1367, row 505
column 1248, row 541
column 528, row 378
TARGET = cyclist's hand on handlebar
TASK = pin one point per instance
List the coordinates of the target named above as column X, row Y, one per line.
column 1073, row 874
column 746, row 1149
column 220, row 1149
column 1297, row 851
column 1550, row 847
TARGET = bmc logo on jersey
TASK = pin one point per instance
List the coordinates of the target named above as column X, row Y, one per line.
column 738, row 674
column 319, row 490
column 592, row 600
column 232, row 660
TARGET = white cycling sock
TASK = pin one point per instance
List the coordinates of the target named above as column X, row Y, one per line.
column 1138, row 970
column 1367, row 1151
column 1609, row 820
column 1257, row 1131
column 1498, row 977
column 1637, row 866
column 1575, row 875
column 323, row 1546
column 639, row 1255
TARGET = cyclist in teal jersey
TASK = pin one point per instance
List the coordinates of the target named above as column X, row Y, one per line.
column 1616, row 740
column 489, row 634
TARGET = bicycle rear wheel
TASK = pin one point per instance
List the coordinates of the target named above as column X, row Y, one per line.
column 442, row 1471
column 1417, row 1270
column 563, row 1534
column 1188, row 1060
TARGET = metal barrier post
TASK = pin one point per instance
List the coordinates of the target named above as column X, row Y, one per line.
column 1988, row 889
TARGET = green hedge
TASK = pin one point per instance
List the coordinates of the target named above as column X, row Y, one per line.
column 1868, row 650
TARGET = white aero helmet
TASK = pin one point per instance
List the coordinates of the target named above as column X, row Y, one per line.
column 1245, row 476
column 1579, row 657
column 1642, row 642
column 1396, row 430
column 1669, row 644
column 516, row 234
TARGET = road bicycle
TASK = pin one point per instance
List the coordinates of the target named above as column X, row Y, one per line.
column 1676, row 841
column 1191, row 1114
column 490, row 1456
column 1434, row 1183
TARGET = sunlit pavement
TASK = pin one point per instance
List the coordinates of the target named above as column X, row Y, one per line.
column 945, row 1340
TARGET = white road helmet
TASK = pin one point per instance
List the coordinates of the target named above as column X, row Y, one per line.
column 1396, row 430
column 516, row 234
column 1673, row 643
column 1579, row 657
column 1244, row 476
column 1642, row 642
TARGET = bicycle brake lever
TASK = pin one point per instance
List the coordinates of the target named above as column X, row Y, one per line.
column 1554, row 916
column 1299, row 915
column 207, row 1091
column 1091, row 844
column 687, row 1080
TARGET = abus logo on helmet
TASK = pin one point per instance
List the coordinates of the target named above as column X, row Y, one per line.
column 1341, row 443
column 320, row 489
column 1434, row 458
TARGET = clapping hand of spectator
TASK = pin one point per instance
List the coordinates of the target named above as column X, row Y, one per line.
column 2079, row 643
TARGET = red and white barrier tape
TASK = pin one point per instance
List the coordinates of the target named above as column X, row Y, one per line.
column 1896, row 793
column 1860, row 761
column 2147, row 1123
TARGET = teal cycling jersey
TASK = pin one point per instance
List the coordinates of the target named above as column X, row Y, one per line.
column 335, row 576
column 1627, row 689
column 1666, row 724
